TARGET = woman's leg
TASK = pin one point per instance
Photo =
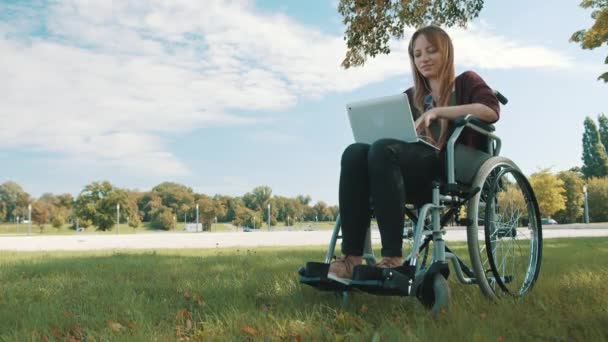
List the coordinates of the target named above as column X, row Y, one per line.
column 399, row 170
column 354, row 198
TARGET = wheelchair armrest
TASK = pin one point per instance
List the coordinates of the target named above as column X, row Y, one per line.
column 473, row 120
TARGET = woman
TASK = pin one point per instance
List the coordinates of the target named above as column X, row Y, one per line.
column 392, row 172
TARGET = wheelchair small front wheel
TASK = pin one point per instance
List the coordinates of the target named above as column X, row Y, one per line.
column 441, row 290
column 505, row 233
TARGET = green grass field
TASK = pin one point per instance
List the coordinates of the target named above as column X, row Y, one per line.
column 22, row 229
column 241, row 294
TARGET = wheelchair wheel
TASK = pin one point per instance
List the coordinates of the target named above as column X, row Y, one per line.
column 505, row 233
column 441, row 290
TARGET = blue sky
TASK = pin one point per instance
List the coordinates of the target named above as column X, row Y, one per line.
column 223, row 96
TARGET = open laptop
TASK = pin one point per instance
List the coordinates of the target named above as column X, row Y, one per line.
column 383, row 117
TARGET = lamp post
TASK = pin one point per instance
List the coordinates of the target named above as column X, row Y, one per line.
column 268, row 216
column 586, row 208
column 197, row 217
column 117, row 216
column 29, row 219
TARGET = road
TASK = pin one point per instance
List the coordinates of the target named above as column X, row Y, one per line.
column 83, row 242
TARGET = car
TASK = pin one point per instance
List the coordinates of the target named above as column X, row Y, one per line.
column 548, row 220
column 247, row 229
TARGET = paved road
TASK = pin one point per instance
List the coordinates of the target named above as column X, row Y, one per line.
column 232, row 239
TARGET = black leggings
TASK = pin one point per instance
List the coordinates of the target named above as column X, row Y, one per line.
column 389, row 171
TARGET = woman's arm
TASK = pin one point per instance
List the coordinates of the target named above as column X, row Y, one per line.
column 479, row 110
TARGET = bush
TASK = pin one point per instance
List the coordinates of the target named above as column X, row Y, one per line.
column 164, row 219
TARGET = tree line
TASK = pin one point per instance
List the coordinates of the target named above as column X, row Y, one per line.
column 166, row 204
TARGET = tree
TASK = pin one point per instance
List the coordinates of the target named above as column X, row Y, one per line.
column 371, row 24
column 598, row 33
column 41, row 213
column 573, row 185
column 177, row 197
column 97, row 204
column 549, row 191
column 209, row 209
column 164, row 219
column 603, row 129
column 13, row 200
column 595, row 160
column 597, row 197
column 511, row 200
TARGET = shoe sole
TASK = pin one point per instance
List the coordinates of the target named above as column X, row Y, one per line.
column 334, row 277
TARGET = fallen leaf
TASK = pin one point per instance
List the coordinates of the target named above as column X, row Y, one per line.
column 187, row 295
column 45, row 338
column 131, row 325
column 114, row 326
column 71, row 338
column 76, row 332
column 183, row 314
column 56, row 333
column 199, row 300
column 249, row 330
column 363, row 309
column 189, row 324
column 483, row 316
column 500, row 339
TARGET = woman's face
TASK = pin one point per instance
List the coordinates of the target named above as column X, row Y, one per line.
column 427, row 58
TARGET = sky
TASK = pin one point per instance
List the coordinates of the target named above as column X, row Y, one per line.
column 227, row 95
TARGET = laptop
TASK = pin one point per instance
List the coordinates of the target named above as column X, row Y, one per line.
column 383, row 117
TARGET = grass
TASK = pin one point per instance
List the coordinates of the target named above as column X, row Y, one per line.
column 22, row 229
column 241, row 294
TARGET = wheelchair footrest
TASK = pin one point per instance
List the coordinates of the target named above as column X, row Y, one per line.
column 315, row 275
column 383, row 281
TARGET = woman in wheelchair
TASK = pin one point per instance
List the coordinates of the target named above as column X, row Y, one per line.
column 391, row 172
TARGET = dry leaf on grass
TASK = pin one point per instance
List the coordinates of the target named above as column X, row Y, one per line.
column 249, row 330
column 114, row 326
column 199, row 300
column 500, row 339
column 483, row 316
column 363, row 309
column 183, row 314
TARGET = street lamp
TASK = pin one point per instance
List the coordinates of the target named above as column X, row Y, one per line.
column 197, row 217
column 268, row 216
column 29, row 218
column 586, row 208
column 117, row 216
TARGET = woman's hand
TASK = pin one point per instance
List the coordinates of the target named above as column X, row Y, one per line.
column 425, row 119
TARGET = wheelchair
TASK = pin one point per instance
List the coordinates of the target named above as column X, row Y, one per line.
column 503, row 226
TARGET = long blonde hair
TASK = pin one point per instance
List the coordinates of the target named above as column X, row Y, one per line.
column 439, row 39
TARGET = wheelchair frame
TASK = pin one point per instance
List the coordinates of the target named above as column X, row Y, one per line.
column 429, row 284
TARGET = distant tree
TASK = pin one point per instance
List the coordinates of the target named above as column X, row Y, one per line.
column 549, row 191
column 209, row 209
column 598, row 33
column 164, row 219
column 603, row 129
column 370, row 25
column 512, row 200
column 97, row 204
column 303, row 199
column 595, row 160
column 597, row 197
column 57, row 219
column 179, row 198
column 41, row 212
column 13, row 200
column 573, row 185
column 134, row 221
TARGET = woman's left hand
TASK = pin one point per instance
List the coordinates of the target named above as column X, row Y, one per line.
column 425, row 119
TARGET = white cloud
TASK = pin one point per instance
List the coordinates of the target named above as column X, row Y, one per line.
column 111, row 76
